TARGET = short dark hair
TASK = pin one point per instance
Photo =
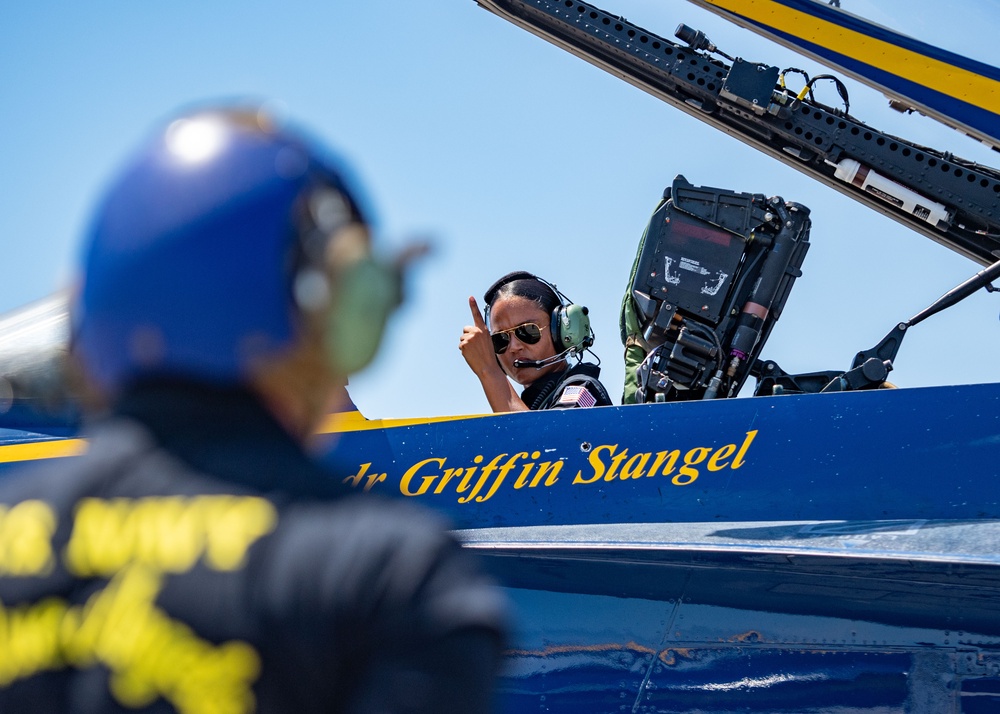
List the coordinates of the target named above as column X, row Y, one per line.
column 524, row 285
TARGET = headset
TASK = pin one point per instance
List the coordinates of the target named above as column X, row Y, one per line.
column 569, row 324
column 361, row 290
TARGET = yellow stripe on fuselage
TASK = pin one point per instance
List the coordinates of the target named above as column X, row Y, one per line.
column 32, row 451
column 354, row 421
column 935, row 74
column 334, row 423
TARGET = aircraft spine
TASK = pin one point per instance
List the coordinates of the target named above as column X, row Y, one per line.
column 797, row 131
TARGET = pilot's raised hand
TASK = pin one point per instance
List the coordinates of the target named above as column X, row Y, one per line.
column 476, row 344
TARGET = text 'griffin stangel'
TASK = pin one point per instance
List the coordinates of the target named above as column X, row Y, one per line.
column 480, row 481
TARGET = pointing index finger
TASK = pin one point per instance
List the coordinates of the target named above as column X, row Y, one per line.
column 477, row 316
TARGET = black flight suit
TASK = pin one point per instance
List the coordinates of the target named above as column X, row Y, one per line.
column 544, row 393
column 200, row 562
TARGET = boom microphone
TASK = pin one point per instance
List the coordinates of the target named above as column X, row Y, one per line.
column 538, row 364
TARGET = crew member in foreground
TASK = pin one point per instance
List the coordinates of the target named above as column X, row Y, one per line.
column 195, row 559
column 530, row 333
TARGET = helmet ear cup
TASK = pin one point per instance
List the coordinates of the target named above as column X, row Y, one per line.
column 571, row 328
column 364, row 295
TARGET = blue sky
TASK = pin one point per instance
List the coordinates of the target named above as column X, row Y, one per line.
column 506, row 151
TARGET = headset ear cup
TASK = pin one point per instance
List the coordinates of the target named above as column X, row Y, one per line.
column 555, row 328
column 574, row 328
column 364, row 296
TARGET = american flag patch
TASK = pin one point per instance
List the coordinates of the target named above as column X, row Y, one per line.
column 576, row 397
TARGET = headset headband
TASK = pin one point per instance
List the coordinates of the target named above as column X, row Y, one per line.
column 490, row 295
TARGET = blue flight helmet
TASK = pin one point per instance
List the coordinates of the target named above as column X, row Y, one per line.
column 210, row 247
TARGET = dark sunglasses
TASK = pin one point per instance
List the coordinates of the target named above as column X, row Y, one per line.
column 529, row 333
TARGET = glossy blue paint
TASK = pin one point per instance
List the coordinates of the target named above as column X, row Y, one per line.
column 829, row 552
column 678, row 629
column 981, row 696
column 924, row 453
column 636, row 594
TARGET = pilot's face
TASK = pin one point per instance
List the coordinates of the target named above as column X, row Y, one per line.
column 510, row 312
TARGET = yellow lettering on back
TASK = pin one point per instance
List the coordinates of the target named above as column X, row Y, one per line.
column 29, row 640
column 234, row 526
column 26, row 530
column 167, row 533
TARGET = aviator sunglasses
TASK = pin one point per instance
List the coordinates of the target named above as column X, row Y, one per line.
column 529, row 333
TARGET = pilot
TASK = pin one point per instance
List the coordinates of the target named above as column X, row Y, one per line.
column 195, row 559
column 531, row 332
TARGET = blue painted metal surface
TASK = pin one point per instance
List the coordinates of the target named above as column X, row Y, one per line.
column 818, row 552
column 726, row 644
column 773, row 554
column 839, row 553
column 907, row 453
column 791, row 617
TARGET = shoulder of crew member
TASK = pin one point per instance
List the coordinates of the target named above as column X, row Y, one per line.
column 398, row 587
column 581, row 388
column 394, row 560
